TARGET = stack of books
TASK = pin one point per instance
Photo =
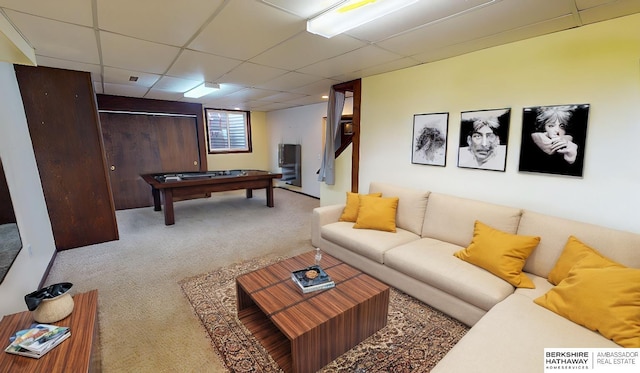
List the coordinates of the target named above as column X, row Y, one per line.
column 312, row 278
column 37, row 340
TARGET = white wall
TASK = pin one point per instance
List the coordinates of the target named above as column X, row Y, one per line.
column 23, row 179
column 596, row 64
column 302, row 125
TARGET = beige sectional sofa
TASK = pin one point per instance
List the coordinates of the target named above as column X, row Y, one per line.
column 509, row 331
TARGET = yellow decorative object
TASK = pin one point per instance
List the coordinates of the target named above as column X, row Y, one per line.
column 350, row 212
column 503, row 254
column 573, row 252
column 606, row 300
column 53, row 309
column 377, row 213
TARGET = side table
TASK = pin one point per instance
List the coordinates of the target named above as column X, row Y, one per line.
column 79, row 353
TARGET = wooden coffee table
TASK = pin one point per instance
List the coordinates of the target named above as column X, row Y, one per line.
column 304, row 332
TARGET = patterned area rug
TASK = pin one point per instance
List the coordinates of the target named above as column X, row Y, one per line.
column 415, row 339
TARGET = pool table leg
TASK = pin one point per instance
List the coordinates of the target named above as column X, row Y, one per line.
column 169, row 217
column 269, row 191
column 249, row 193
column 156, row 199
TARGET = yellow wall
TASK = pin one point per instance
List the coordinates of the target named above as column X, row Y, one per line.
column 258, row 159
column 597, row 64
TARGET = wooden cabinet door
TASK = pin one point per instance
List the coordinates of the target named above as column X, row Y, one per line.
column 62, row 117
column 137, row 144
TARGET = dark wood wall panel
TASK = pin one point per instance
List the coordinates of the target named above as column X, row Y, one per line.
column 62, row 117
column 138, row 144
column 149, row 136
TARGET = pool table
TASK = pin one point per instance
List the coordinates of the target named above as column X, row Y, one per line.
column 184, row 184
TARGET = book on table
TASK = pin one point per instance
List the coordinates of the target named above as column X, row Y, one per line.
column 312, row 278
column 37, row 340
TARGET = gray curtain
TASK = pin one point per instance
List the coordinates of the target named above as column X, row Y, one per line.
column 334, row 114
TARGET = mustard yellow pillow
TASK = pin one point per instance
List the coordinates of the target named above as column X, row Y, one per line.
column 500, row 253
column 574, row 251
column 350, row 212
column 606, row 300
column 377, row 213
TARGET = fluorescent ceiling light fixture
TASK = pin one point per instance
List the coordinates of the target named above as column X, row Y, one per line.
column 351, row 14
column 202, row 90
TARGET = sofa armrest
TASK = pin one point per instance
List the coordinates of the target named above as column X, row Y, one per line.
column 322, row 216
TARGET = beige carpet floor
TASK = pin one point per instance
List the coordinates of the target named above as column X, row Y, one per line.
column 146, row 322
column 415, row 338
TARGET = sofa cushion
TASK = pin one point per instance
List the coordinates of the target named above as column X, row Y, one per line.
column 352, row 206
column 366, row 242
column 452, row 219
column 502, row 342
column 377, row 213
column 603, row 299
column 623, row 247
column 500, row 253
column 573, row 252
column 432, row 262
column 411, row 205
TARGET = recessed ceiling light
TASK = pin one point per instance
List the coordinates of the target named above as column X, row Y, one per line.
column 202, row 90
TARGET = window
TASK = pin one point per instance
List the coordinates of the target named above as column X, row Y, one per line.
column 229, row 131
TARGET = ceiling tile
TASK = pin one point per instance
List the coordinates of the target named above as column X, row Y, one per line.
column 250, row 74
column 609, row 10
column 288, row 81
column 94, row 69
column 586, row 4
column 398, row 64
column 415, row 15
column 284, row 96
column 169, row 83
column 57, row 39
column 318, row 88
column 201, row 66
column 120, row 76
column 158, row 94
column 134, row 54
column 124, row 90
column 483, row 22
column 154, row 20
column 497, row 39
column 304, row 9
column 248, row 29
column 72, row 11
column 305, row 49
column 353, row 61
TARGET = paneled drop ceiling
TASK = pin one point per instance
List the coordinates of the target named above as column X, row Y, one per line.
column 259, row 51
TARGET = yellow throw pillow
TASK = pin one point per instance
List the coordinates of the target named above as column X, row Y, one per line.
column 350, row 212
column 574, row 251
column 606, row 300
column 377, row 213
column 500, row 253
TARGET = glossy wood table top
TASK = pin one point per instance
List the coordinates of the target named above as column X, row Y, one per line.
column 79, row 353
column 304, row 332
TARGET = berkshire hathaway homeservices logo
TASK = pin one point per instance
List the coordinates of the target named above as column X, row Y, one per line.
column 593, row 360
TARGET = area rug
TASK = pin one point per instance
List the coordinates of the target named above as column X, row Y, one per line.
column 415, row 339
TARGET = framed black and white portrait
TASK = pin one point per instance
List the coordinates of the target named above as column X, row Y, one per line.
column 554, row 139
column 430, row 139
column 484, row 138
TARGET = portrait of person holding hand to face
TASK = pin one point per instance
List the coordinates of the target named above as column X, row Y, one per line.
column 553, row 139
